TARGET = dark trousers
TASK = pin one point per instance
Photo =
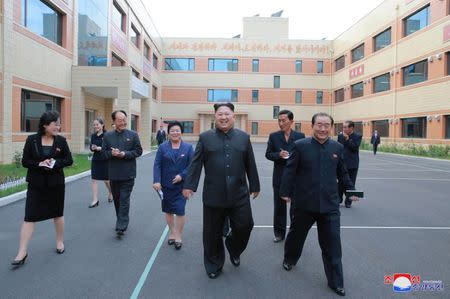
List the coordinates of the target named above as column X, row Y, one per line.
column 241, row 222
column 375, row 147
column 121, row 191
column 328, row 228
column 352, row 173
column 279, row 214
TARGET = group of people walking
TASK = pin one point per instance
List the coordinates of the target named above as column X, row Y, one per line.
column 309, row 172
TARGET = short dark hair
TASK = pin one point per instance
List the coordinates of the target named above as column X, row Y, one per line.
column 173, row 124
column 47, row 118
column 218, row 105
column 321, row 114
column 350, row 123
column 289, row 114
column 113, row 115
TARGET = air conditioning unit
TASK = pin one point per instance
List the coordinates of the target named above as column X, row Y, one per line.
column 438, row 56
column 437, row 117
column 429, row 117
column 430, row 58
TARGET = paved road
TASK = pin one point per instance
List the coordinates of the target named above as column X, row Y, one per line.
column 403, row 225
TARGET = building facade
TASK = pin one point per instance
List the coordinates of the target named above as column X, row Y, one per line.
column 86, row 58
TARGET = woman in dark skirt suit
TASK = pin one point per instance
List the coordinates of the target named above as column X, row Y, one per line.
column 45, row 154
column 170, row 168
column 99, row 166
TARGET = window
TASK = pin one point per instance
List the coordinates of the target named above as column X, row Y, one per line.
column 276, row 81
column 33, row 104
column 382, row 40
column 339, row 95
column 155, row 61
column 382, row 83
column 382, row 126
column 338, row 128
column 188, row 126
column 415, row 73
column 319, row 97
column 146, row 51
column 254, row 128
column 416, row 21
column 319, row 67
column 298, row 96
column 255, row 96
column 116, row 60
column 222, row 95
column 118, row 17
column 276, row 110
column 415, row 127
column 134, row 122
column 357, row 90
column 222, row 65
column 447, row 126
column 135, row 36
column 298, row 66
column 255, row 65
column 340, row 63
column 358, row 127
column 358, row 53
column 42, row 19
column 145, row 80
column 154, row 124
column 179, row 64
column 154, row 92
column 92, row 33
column 448, row 63
column 135, row 73
column 298, row 127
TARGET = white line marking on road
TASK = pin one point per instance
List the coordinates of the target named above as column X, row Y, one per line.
column 379, row 227
column 147, row 269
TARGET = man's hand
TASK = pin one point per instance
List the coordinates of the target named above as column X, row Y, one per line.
column 254, row 195
column 187, row 193
column 157, row 186
column 284, row 154
column 177, row 179
column 286, row 199
column 345, row 136
column 354, row 198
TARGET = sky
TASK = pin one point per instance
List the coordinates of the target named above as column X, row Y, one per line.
column 314, row 19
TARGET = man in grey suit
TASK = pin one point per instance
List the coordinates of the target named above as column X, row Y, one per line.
column 121, row 147
column 227, row 155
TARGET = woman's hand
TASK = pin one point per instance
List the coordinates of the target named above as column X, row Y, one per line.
column 45, row 163
column 93, row 147
column 157, row 186
column 177, row 179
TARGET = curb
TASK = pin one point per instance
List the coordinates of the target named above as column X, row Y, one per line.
column 408, row 156
column 22, row 194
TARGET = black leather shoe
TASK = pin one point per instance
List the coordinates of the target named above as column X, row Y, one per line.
column 60, row 251
column 171, row 241
column 348, row 206
column 19, row 263
column 278, row 239
column 235, row 260
column 178, row 245
column 94, row 205
column 339, row 291
column 120, row 232
column 287, row 266
column 214, row 275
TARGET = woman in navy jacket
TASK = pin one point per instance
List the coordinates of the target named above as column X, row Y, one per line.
column 169, row 171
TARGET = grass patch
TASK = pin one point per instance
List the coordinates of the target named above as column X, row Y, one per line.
column 412, row 149
column 80, row 164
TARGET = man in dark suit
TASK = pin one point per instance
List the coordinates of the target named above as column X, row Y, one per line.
column 227, row 155
column 375, row 141
column 161, row 135
column 310, row 179
column 279, row 147
column 121, row 147
column 351, row 142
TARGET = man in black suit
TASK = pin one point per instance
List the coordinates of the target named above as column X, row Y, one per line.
column 161, row 135
column 310, row 179
column 227, row 155
column 351, row 142
column 121, row 147
column 375, row 141
column 279, row 147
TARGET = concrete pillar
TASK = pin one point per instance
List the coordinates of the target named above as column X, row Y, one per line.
column 146, row 124
column 202, row 123
column 123, row 102
column 78, row 119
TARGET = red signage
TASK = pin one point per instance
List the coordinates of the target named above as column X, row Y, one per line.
column 447, row 33
column 357, row 71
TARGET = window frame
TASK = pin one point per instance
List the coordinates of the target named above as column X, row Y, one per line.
column 255, row 67
column 147, row 50
column 137, row 42
column 234, row 64
column 374, row 83
column 56, row 103
column 423, row 129
column 298, row 97
column 319, row 66
column 354, row 50
column 336, row 92
column 190, row 64
column 299, row 66
column 211, row 97
column 319, row 97
column 405, row 20
column 337, row 63
column 255, row 128
column 123, row 23
column 275, row 111
column 404, row 72
column 352, row 90
column 255, row 99
column 375, row 48
column 277, row 82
